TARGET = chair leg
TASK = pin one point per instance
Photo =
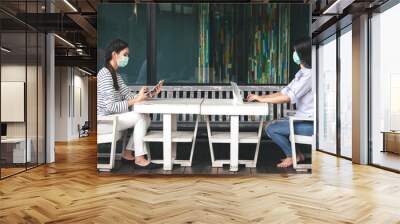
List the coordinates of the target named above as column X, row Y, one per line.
column 108, row 167
column 125, row 140
column 194, row 140
column 213, row 163
column 148, row 151
column 114, row 142
column 292, row 142
column 258, row 144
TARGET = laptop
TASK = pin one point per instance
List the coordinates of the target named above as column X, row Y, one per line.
column 237, row 94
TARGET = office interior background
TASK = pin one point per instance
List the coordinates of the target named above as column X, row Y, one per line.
column 28, row 51
column 48, row 81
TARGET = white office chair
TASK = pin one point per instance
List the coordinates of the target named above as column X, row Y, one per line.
column 109, row 136
column 300, row 139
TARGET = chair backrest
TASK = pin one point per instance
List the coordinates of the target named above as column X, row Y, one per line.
column 86, row 125
column 219, row 92
column 105, row 129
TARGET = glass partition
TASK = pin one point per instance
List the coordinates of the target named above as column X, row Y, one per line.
column 346, row 92
column 14, row 153
column 327, row 95
column 22, row 91
column 385, row 89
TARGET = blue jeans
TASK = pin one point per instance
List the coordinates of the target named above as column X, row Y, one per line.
column 279, row 132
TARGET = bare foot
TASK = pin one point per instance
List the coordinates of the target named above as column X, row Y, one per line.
column 285, row 163
column 126, row 154
column 300, row 157
column 141, row 161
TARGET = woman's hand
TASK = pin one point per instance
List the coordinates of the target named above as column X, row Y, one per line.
column 253, row 97
column 159, row 87
column 141, row 96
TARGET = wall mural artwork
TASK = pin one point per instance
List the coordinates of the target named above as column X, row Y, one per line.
column 259, row 32
column 269, row 54
column 206, row 43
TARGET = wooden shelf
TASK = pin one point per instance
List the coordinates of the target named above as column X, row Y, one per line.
column 177, row 136
column 300, row 139
column 225, row 137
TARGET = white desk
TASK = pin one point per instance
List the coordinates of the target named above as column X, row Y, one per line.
column 227, row 107
column 19, row 153
column 169, row 108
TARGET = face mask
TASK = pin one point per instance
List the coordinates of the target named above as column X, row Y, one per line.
column 123, row 61
column 296, row 58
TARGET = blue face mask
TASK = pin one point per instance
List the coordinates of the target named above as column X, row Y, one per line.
column 123, row 61
column 296, row 58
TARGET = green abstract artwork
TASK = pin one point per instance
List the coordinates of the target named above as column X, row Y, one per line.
column 207, row 43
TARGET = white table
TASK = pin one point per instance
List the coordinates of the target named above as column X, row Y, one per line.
column 169, row 108
column 229, row 108
column 20, row 155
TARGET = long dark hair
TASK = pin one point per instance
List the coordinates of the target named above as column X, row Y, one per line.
column 303, row 49
column 117, row 46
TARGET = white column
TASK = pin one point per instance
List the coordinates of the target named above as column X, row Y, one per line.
column 50, row 93
column 360, row 90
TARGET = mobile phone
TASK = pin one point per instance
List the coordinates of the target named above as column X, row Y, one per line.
column 154, row 89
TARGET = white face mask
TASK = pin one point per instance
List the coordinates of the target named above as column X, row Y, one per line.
column 296, row 58
column 123, row 61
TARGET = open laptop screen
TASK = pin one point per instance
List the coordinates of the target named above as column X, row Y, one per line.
column 237, row 93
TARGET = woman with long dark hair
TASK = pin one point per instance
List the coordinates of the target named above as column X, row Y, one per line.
column 115, row 97
column 299, row 92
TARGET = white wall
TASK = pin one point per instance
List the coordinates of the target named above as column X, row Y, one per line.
column 80, row 110
column 15, row 72
column 71, row 94
column 61, row 103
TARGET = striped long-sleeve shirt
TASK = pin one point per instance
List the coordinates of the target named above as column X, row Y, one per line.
column 109, row 100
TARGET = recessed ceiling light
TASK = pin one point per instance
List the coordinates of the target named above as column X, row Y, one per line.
column 65, row 41
column 84, row 71
column 338, row 6
column 5, row 50
column 70, row 5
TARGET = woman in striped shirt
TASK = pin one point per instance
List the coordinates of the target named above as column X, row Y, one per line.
column 114, row 97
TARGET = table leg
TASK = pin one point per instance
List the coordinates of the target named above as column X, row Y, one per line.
column 173, row 129
column 234, row 143
column 169, row 123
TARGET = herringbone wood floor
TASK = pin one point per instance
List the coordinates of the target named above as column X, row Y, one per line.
column 71, row 191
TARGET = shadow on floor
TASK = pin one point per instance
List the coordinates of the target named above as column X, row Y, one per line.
column 269, row 156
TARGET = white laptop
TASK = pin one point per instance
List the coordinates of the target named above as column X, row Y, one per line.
column 237, row 94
